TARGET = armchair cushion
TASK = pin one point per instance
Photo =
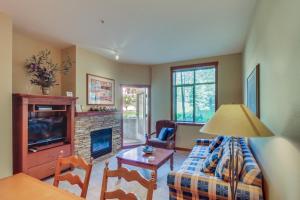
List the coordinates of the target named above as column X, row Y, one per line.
column 163, row 135
column 156, row 140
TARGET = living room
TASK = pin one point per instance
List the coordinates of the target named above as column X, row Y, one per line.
column 167, row 68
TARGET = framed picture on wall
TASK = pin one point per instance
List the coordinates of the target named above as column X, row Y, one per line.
column 100, row 90
column 253, row 91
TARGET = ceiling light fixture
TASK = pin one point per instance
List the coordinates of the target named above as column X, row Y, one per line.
column 110, row 52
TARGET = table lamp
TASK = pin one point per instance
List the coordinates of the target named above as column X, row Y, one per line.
column 235, row 120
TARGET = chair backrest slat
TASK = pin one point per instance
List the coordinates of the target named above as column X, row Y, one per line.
column 75, row 162
column 120, row 194
column 128, row 176
column 72, row 179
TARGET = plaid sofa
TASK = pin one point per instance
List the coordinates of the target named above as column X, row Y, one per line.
column 190, row 183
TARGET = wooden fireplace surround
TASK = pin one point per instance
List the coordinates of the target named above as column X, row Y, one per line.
column 40, row 164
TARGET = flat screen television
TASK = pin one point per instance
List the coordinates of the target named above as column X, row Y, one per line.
column 46, row 130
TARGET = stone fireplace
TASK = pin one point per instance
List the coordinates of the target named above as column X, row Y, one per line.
column 97, row 135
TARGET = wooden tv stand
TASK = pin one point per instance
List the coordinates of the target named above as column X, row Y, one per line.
column 40, row 162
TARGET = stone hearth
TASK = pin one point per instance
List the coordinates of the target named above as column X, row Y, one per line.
column 91, row 121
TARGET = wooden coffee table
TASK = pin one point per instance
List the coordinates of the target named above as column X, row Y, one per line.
column 136, row 157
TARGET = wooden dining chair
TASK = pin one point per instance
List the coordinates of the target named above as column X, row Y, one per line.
column 128, row 176
column 73, row 162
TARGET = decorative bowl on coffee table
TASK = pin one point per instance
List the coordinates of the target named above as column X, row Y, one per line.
column 148, row 149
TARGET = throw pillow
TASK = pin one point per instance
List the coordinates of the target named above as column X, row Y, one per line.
column 170, row 132
column 163, row 134
column 210, row 163
column 215, row 143
column 222, row 169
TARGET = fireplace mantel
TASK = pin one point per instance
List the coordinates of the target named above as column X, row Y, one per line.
column 94, row 113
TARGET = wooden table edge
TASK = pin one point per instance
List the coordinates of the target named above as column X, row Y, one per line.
column 163, row 161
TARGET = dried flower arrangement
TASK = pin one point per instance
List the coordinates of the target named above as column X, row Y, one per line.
column 43, row 70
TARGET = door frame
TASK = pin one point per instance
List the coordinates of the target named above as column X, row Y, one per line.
column 149, row 109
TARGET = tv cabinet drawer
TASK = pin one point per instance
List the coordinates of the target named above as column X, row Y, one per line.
column 48, row 155
column 42, row 171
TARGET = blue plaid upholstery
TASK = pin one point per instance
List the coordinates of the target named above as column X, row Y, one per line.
column 251, row 173
column 199, row 152
column 222, row 169
column 210, row 163
column 199, row 185
column 215, row 143
column 203, row 141
column 190, row 183
column 192, row 165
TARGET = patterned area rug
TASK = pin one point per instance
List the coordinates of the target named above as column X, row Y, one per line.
column 161, row 193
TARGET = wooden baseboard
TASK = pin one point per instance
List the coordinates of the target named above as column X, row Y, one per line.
column 182, row 149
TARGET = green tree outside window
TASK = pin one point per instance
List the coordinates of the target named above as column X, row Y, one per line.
column 194, row 94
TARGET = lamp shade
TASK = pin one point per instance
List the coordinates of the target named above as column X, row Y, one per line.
column 235, row 120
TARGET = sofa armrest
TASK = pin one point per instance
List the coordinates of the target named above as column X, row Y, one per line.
column 203, row 141
column 205, row 185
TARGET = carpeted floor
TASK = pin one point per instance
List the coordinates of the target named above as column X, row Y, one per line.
column 161, row 193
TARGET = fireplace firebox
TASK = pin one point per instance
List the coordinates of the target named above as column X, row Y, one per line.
column 101, row 142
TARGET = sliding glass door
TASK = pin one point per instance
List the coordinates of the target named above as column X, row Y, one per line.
column 135, row 114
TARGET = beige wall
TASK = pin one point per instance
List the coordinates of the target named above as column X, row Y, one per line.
column 68, row 80
column 274, row 42
column 92, row 63
column 6, row 95
column 25, row 46
column 229, row 85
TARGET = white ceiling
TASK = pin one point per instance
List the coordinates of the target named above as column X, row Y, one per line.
column 142, row 31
